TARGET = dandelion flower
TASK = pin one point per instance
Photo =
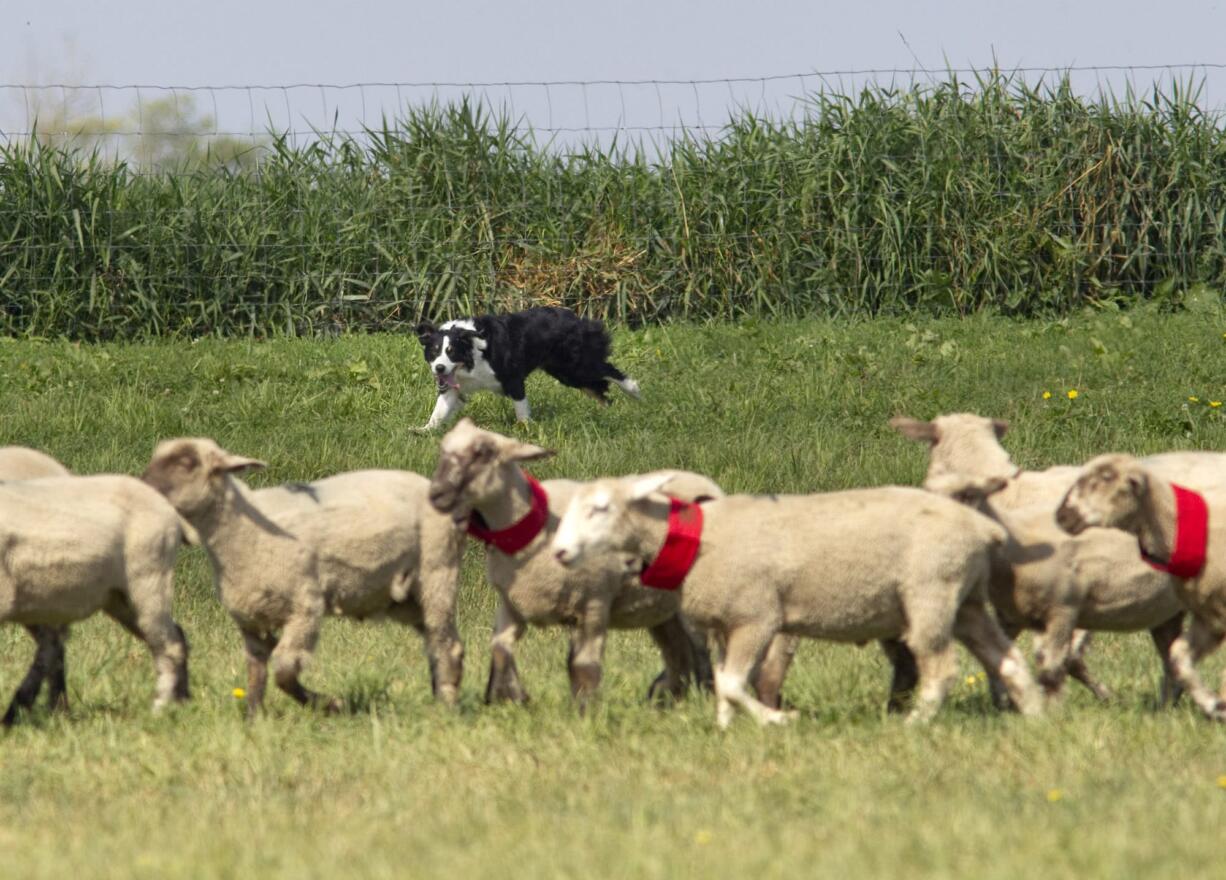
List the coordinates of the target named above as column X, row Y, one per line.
column 239, row 693
column 1192, row 399
column 1215, row 403
column 703, row 837
column 970, row 681
column 1047, row 395
column 1054, row 794
column 1072, row 394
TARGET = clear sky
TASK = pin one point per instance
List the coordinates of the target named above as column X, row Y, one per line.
column 275, row 42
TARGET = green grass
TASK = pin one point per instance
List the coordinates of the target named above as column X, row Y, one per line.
column 405, row 788
column 947, row 197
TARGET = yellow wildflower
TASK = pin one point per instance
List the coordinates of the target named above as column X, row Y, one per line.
column 1221, row 782
column 1047, row 395
column 703, row 837
column 1192, row 399
column 1215, row 403
column 1054, row 794
column 239, row 693
column 1072, row 394
column 970, row 681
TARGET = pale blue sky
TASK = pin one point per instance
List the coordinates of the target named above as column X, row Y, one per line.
column 273, row 42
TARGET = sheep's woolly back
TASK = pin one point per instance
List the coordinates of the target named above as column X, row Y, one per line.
column 20, row 463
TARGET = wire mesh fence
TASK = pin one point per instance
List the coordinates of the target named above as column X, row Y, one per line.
column 133, row 210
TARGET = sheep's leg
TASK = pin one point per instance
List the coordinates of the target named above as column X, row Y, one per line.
column 744, row 649
column 768, row 675
column 1054, row 652
column 937, row 664
column 259, row 648
column 996, row 687
column 981, row 635
column 1164, row 635
column 57, row 682
column 905, row 673
column 1076, row 667
column 1199, row 641
column 153, row 625
column 584, row 661
column 445, row 651
column 46, row 640
column 685, row 658
column 290, row 656
column 504, row 676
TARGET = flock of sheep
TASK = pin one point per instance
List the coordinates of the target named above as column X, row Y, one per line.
column 1062, row 552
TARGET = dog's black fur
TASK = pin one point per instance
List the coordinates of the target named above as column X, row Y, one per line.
column 573, row 350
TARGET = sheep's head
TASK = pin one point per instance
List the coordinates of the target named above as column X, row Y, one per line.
column 963, row 445
column 191, row 472
column 1110, row 492
column 598, row 520
column 474, row 466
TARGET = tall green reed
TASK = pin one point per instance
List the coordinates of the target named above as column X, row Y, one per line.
column 951, row 197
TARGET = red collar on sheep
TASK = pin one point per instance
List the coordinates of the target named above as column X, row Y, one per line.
column 518, row 535
column 1191, row 536
column 680, row 549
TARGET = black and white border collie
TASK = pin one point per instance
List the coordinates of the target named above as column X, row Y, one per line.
column 498, row 352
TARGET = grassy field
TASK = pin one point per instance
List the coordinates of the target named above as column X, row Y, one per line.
column 402, row 787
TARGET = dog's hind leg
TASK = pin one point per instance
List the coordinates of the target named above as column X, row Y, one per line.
column 621, row 380
column 514, row 388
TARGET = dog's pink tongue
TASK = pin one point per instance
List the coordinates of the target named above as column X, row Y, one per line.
column 451, row 382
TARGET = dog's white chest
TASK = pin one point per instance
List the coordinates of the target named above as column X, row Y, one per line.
column 480, row 378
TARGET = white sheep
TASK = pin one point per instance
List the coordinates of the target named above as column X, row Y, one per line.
column 362, row 544
column 71, row 546
column 1182, row 532
column 21, row 463
column 1052, row 583
column 883, row 563
column 479, row 475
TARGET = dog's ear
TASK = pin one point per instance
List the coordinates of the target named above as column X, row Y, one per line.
column 424, row 331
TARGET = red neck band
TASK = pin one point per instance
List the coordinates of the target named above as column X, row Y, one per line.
column 1191, row 536
column 518, row 535
column 680, row 549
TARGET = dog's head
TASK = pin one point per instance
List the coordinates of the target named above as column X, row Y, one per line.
column 447, row 348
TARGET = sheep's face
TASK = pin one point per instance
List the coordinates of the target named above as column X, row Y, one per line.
column 962, row 445
column 475, row 467
column 598, row 520
column 1110, row 493
column 191, row 472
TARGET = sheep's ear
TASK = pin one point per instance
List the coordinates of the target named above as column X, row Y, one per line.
column 229, row 463
column 516, row 451
column 644, row 487
column 424, row 330
column 1000, row 426
column 1138, row 483
column 914, row 429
